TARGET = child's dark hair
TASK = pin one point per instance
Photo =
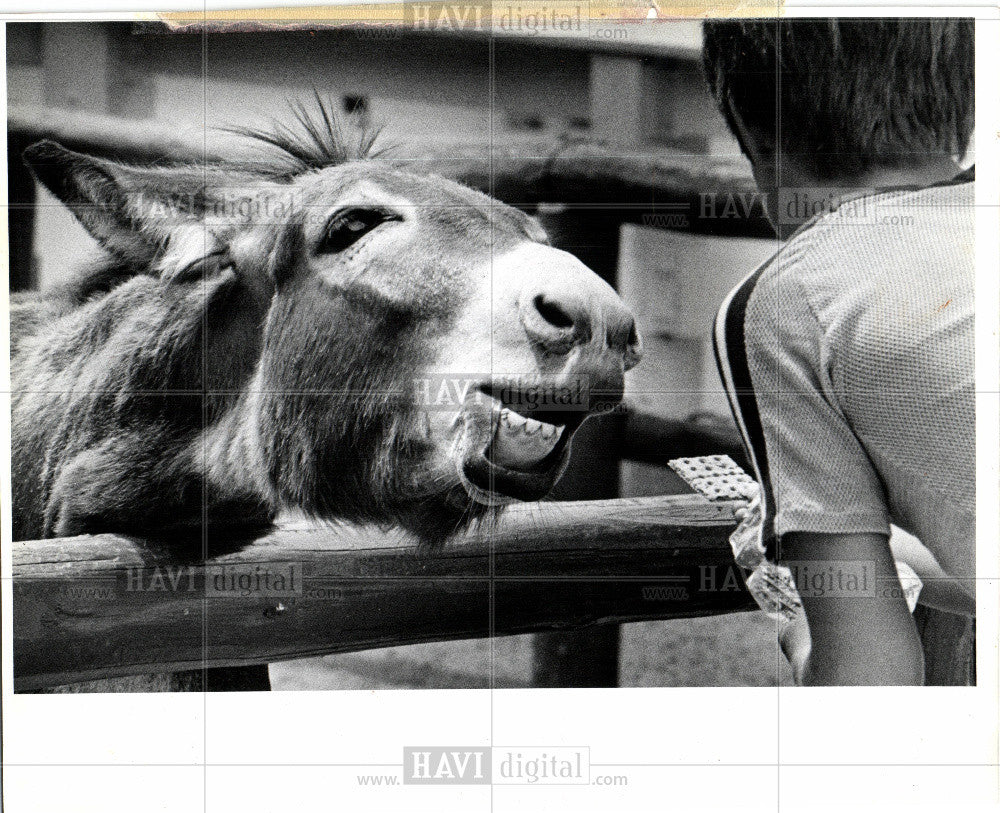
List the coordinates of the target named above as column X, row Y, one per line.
column 847, row 96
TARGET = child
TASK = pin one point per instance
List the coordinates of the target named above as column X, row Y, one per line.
column 848, row 357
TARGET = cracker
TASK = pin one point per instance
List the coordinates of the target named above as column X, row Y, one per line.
column 715, row 477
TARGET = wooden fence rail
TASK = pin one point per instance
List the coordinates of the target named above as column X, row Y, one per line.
column 105, row 606
column 637, row 184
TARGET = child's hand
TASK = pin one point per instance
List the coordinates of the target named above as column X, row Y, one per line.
column 795, row 643
column 745, row 540
column 749, row 514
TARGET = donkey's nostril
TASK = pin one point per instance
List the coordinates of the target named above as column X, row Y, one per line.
column 557, row 317
column 633, row 336
column 552, row 313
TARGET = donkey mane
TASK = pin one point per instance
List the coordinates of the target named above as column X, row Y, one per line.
column 315, row 140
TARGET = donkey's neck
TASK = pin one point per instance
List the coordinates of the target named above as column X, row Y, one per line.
column 231, row 450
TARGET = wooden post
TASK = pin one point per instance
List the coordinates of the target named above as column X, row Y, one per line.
column 584, row 659
column 589, row 657
column 20, row 217
column 949, row 642
column 622, row 99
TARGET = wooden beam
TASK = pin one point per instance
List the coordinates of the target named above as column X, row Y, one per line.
column 104, row 606
column 108, row 136
column 949, row 643
column 629, row 186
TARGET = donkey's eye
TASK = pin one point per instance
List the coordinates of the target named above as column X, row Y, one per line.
column 347, row 227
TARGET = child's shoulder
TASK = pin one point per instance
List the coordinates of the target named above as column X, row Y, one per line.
column 900, row 240
column 896, row 223
column 857, row 264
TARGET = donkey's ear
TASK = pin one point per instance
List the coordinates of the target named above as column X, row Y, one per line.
column 106, row 197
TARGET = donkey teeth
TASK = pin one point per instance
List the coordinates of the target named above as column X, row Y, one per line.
column 523, row 441
column 514, row 423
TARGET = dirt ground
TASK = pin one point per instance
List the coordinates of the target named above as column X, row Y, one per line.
column 730, row 650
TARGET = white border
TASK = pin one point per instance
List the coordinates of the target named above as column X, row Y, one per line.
column 722, row 745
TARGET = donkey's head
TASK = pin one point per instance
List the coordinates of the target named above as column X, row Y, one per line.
column 376, row 345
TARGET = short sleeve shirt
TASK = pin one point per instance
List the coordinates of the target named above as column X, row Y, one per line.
column 849, row 362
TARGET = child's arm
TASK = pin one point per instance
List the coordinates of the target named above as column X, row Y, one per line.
column 860, row 640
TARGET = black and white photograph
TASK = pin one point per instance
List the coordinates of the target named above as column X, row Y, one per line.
column 504, row 398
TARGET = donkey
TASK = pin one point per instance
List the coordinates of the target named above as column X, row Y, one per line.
column 251, row 338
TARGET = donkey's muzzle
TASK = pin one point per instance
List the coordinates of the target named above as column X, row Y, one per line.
column 581, row 339
column 571, row 307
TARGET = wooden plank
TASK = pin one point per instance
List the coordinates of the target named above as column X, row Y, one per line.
column 105, row 606
column 635, row 185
